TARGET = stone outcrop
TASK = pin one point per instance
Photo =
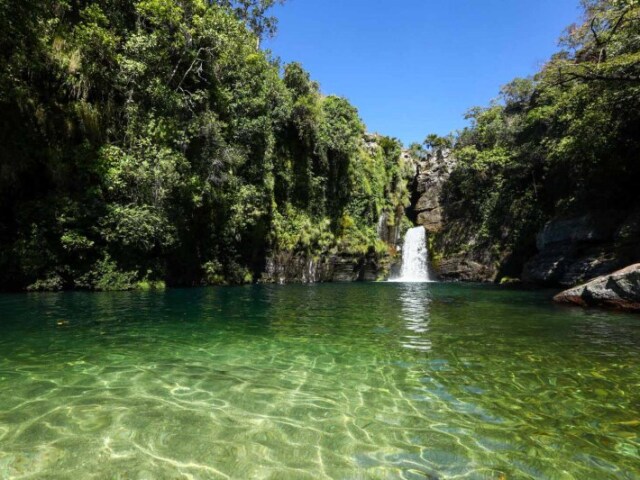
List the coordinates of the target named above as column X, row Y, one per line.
column 431, row 174
column 288, row 267
column 389, row 227
column 575, row 249
column 571, row 249
column 448, row 262
column 459, row 268
column 619, row 290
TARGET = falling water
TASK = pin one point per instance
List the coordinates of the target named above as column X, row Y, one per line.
column 382, row 223
column 415, row 267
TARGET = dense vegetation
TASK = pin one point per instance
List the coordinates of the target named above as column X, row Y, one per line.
column 566, row 141
column 152, row 141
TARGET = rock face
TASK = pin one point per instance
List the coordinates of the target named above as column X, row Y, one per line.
column 571, row 249
column 464, row 270
column 389, row 227
column 287, row 267
column 575, row 249
column 431, row 175
column 620, row 290
column 448, row 260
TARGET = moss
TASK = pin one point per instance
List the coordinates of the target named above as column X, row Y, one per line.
column 385, row 269
column 147, row 285
column 435, row 255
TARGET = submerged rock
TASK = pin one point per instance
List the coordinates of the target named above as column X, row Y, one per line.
column 620, row 290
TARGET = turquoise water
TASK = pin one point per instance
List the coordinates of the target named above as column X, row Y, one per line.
column 370, row 381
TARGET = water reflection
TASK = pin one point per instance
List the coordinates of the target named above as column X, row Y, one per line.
column 416, row 300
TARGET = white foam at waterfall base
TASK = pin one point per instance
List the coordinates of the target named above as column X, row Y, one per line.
column 415, row 263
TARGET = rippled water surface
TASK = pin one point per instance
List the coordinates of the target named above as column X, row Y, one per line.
column 370, row 381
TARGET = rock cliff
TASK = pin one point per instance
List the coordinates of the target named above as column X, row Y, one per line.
column 569, row 250
column 573, row 250
column 452, row 257
column 288, row 267
column 432, row 172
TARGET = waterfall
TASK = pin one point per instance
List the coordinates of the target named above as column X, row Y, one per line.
column 382, row 224
column 415, row 263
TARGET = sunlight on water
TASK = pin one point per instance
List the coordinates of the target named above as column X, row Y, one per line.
column 367, row 381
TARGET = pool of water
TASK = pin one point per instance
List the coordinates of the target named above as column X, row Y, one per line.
column 371, row 381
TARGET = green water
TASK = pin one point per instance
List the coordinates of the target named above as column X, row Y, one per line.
column 315, row 382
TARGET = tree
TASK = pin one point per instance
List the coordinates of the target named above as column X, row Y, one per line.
column 604, row 47
column 254, row 14
column 436, row 142
column 149, row 141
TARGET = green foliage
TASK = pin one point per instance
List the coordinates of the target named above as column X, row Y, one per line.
column 436, row 142
column 139, row 228
column 147, row 285
column 563, row 141
column 253, row 13
column 51, row 283
column 107, row 276
column 152, row 140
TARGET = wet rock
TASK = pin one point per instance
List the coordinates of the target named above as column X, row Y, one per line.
column 550, row 265
column 389, row 227
column 290, row 267
column 370, row 271
column 461, row 269
column 345, row 269
column 619, row 290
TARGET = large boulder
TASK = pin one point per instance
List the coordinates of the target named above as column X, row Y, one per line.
column 591, row 264
column 571, row 264
column 619, row 290
column 428, row 209
column 431, row 220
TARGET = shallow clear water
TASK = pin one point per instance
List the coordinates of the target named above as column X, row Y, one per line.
column 330, row 381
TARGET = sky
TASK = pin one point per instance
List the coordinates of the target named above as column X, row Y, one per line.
column 414, row 67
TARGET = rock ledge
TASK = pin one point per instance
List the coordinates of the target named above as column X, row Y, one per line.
column 619, row 290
